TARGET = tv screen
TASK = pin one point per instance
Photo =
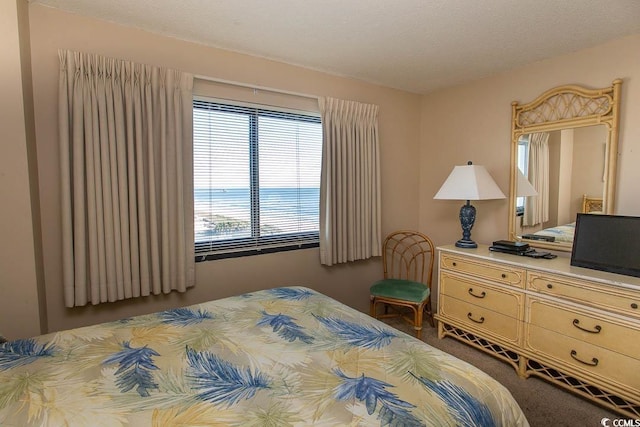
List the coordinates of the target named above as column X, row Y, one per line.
column 607, row 242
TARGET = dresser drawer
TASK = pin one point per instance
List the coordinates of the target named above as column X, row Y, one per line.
column 618, row 336
column 618, row 372
column 504, row 301
column 480, row 320
column 500, row 273
column 601, row 296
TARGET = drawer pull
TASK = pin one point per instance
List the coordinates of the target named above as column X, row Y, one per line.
column 596, row 329
column 482, row 295
column 634, row 305
column 469, row 316
column 574, row 355
column 454, row 264
column 504, row 276
column 549, row 286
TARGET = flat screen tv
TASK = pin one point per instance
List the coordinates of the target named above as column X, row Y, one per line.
column 607, row 242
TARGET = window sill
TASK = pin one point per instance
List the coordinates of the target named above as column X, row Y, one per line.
column 252, row 252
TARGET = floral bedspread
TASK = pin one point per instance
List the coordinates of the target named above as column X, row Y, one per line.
column 280, row 357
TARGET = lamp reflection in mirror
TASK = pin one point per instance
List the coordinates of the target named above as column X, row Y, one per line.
column 524, row 187
column 470, row 182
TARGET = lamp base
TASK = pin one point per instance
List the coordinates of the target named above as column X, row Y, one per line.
column 467, row 218
column 464, row 243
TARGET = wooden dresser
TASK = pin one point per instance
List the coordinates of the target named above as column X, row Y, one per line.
column 576, row 327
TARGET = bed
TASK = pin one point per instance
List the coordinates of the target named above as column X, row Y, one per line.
column 279, row 357
column 564, row 233
column 559, row 234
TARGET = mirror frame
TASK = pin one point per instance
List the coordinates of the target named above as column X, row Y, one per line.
column 567, row 107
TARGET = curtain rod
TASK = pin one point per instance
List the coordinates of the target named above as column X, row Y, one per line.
column 248, row 86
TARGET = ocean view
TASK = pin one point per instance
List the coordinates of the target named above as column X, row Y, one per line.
column 226, row 213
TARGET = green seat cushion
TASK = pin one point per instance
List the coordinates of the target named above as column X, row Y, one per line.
column 407, row 290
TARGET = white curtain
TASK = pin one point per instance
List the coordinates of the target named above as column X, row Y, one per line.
column 127, row 190
column 350, row 182
column 536, row 210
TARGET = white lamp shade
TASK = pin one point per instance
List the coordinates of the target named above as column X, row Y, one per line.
column 524, row 187
column 469, row 182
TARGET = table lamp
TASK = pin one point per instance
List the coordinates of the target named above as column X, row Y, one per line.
column 524, row 187
column 470, row 182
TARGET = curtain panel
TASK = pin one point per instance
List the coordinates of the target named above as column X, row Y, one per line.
column 536, row 209
column 350, row 182
column 125, row 133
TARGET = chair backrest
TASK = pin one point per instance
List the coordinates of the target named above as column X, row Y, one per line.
column 408, row 255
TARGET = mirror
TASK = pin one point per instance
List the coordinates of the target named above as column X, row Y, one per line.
column 563, row 161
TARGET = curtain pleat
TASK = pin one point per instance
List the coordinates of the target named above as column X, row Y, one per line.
column 126, row 166
column 350, row 206
column 536, row 209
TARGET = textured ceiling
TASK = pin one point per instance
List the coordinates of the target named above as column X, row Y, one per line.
column 413, row 45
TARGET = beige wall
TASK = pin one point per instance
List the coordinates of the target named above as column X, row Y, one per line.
column 19, row 266
column 473, row 122
column 560, row 166
column 588, row 165
column 399, row 136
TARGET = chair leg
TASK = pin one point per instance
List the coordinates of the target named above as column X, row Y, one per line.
column 430, row 313
column 417, row 324
column 372, row 307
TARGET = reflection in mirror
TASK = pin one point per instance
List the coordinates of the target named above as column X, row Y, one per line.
column 576, row 168
column 563, row 152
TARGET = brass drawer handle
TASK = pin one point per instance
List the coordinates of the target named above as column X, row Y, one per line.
column 469, row 316
column 574, row 355
column 634, row 305
column 596, row 330
column 482, row 295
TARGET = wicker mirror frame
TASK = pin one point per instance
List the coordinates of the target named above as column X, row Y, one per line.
column 567, row 107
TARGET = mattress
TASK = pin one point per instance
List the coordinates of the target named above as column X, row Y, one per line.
column 287, row 356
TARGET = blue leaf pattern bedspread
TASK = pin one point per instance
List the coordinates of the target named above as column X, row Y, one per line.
column 280, row 357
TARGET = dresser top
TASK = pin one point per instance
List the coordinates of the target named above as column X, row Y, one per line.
column 559, row 265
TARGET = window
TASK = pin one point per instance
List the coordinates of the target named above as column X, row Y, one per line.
column 523, row 165
column 256, row 179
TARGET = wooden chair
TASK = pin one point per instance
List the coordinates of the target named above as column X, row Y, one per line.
column 407, row 259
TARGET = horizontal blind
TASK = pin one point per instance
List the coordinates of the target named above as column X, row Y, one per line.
column 256, row 178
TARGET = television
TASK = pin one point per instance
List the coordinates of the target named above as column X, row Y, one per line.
column 608, row 243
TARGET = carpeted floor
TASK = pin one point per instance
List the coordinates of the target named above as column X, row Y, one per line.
column 543, row 404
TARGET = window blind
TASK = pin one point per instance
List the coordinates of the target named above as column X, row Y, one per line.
column 256, row 179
